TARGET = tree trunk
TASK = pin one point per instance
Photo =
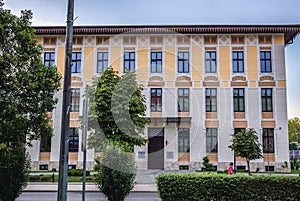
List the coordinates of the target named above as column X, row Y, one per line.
column 248, row 165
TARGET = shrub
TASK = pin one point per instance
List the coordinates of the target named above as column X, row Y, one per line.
column 173, row 187
column 78, row 172
column 208, row 166
column 116, row 174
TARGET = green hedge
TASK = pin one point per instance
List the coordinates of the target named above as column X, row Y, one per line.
column 192, row 187
column 77, row 172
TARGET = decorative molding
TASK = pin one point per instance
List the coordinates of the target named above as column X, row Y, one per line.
column 236, row 78
column 143, row 40
column 197, row 40
column 224, row 40
column 264, row 78
column 211, row 78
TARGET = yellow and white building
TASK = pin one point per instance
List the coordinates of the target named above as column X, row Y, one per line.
column 202, row 83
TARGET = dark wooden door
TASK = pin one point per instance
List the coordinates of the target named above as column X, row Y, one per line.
column 156, row 151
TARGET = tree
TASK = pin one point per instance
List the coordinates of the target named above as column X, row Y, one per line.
column 294, row 129
column 27, row 90
column 245, row 144
column 120, row 108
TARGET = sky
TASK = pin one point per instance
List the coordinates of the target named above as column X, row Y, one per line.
column 104, row 12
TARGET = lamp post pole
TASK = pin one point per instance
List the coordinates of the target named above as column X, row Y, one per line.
column 65, row 120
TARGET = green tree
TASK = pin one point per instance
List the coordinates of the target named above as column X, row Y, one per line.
column 245, row 144
column 294, row 129
column 27, row 90
column 120, row 108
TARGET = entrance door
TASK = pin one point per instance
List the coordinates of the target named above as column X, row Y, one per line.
column 156, row 148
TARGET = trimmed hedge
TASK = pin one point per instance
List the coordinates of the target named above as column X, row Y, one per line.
column 78, row 172
column 192, row 187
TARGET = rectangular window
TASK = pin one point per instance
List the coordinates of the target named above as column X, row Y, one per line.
column 268, row 140
column 183, row 62
column 266, row 100
column 211, row 140
column 211, row 100
column 183, row 100
column 76, row 62
column 49, row 58
column 44, row 167
column 237, row 130
column 265, row 62
column 73, row 139
column 210, row 62
column 183, row 140
column 238, row 61
column 239, row 100
column 102, row 61
column 129, row 62
column 156, row 100
column 45, row 144
column 156, row 62
column 75, row 100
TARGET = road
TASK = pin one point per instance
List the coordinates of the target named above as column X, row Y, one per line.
column 90, row 196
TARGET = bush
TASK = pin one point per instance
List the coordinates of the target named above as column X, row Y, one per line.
column 208, row 166
column 116, row 174
column 227, row 188
column 78, row 172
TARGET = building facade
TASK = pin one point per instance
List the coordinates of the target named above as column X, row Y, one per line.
column 203, row 84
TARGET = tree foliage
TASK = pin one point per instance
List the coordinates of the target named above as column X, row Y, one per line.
column 245, row 144
column 120, row 108
column 27, row 90
column 294, row 129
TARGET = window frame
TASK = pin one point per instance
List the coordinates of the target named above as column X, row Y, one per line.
column 184, row 99
column 184, row 137
column 211, row 134
column 103, row 61
column 49, row 60
column 45, row 144
column 183, row 58
column 210, row 99
column 75, row 100
column 237, row 98
column 236, row 61
column 76, row 59
column 210, row 62
column 268, row 140
column 267, row 100
column 264, row 61
column 156, row 62
column 129, row 60
column 73, row 139
column 156, row 100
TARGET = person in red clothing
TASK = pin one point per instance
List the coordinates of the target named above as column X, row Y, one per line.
column 230, row 169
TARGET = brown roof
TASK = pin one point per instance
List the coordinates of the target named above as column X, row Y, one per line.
column 290, row 31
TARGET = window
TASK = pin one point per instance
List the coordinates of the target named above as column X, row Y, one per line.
column 237, row 130
column 183, row 140
column 76, row 62
column 210, row 62
column 211, row 140
column 44, row 167
column 49, row 58
column 266, row 100
column 156, row 40
column 156, row 62
column 239, row 100
column 268, row 140
column 183, row 100
column 265, row 62
column 211, row 100
column 75, row 100
column 45, row 144
column 73, row 139
column 238, row 61
column 102, row 61
column 156, row 100
column 183, row 62
column 49, row 40
column 129, row 62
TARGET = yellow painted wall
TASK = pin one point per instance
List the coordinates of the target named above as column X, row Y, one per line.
column 115, row 58
column 143, row 65
column 279, row 39
column 61, row 60
column 225, row 63
column 170, row 65
column 253, row 84
column 196, row 63
column 282, row 83
column 89, row 60
column 252, row 63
